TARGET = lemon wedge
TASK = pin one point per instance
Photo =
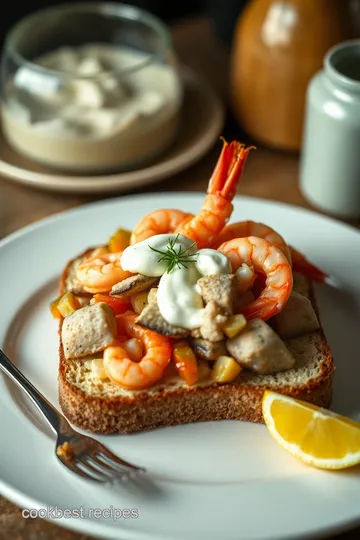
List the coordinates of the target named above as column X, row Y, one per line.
column 316, row 436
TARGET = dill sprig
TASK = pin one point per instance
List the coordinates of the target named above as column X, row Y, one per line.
column 173, row 258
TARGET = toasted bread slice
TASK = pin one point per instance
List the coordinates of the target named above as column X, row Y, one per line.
column 103, row 407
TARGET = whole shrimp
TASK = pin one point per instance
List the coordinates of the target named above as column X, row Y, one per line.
column 136, row 375
column 265, row 259
column 217, row 207
column 241, row 229
column 163, row 221
column 98, row 274
column 250, row 228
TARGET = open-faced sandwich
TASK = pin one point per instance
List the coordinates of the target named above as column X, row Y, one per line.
column 186, row 319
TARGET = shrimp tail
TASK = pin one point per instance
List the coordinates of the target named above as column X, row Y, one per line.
column 228, row 169
column 302, row 265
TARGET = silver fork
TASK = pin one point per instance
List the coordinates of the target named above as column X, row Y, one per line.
column 80, row 454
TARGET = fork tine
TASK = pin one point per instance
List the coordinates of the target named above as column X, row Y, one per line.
column 71, row 465
column 87, row 463
column 114, row 460
column 105, row 468
column 103, row 464
column 92, row 471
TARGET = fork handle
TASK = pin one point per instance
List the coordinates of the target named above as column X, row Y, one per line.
column 52, row 415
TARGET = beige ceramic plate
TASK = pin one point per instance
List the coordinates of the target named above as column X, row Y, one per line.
column 202, row 122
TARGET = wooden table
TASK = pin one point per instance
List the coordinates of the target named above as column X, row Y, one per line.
column 270, row 174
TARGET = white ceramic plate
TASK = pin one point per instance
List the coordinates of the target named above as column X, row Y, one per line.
column 207, row 481
column 201, row 123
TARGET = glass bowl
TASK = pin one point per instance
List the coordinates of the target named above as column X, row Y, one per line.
column 90, row 87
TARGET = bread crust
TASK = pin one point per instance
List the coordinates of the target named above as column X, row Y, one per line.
column 175, row 406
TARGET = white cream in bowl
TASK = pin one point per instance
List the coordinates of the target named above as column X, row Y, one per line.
column 112, row 108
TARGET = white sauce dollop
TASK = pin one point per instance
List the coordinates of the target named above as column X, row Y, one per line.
column 210, row 261
column 114, row 108
column 179, row 298
column 140, row 258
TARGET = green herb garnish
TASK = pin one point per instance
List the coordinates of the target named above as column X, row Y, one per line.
column 178, row 258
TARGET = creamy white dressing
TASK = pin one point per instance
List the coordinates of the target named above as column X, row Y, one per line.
column 178, row 296
column 140, row 258
column 210, row 261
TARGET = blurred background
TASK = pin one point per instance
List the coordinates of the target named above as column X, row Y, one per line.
column 222, row 12
column 264, row 59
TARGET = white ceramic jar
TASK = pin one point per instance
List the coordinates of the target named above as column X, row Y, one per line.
column 330, row 163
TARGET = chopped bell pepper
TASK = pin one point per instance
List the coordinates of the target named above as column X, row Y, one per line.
column 54, row 309
column 185, row 362
column 68, row 303
column 225, row 369
column 234, row 325
column 64, row 305
column 119, row 241
column 119, row 305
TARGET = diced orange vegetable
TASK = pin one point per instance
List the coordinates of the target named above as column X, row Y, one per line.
column 64, row 305
column 119, row 305
column 68, row 303
column 170, row 372
column 119, row 241
column 185, row 362
column 54, row 309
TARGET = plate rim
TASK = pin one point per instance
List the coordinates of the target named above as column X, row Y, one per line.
column 102, row 528
column 61, row 214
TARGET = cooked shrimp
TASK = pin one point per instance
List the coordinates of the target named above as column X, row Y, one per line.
column 250, row 228
column 164, row 221
column 217, row 207
column 216, row 210
column 242, row 229
column 268, row 260
column 99, row 274
column 302, row 265
column 130, row 374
